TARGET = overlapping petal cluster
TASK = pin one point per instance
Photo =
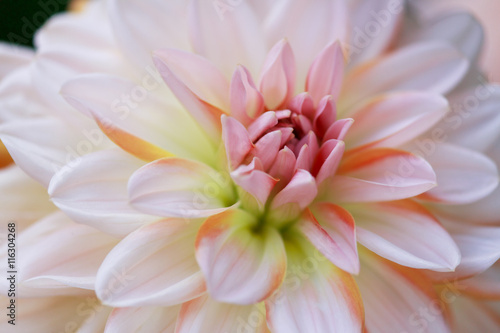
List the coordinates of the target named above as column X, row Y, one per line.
column 254, row 166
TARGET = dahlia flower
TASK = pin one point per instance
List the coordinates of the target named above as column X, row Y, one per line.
column 252, row 166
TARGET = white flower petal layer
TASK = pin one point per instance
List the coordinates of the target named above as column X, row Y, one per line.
column 141, row 27
column 406, row 233
column 406, row 115
column 206, row 315
column 142, row 320
column 154, row 265
column 463, row 175
column 380, row 174
column 436, row 67
column 25, row 201
column 56, row 314
column 461, row 29
column 396, row 300
column 93, row 191
column 60, row 257
column 174, row 187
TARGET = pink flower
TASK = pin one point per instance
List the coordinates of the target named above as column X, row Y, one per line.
column 225, row 162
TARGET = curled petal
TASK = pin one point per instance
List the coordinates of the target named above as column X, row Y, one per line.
column 295, row 197
column 326, row 114
column 246, row 100
column 338, row 130
column 253, row 180
column 327, row 160
column 266, row 149
column 277, row 80
column 236, row 140
column 326, row 73
column 265, row 122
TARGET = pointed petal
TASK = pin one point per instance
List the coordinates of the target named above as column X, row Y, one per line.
column 326, row 73
column 265, row 122
column 406, row 116
column 463, row 175
column 154, row 265
column 175, row 187
column 81, row 188
column 284, row 166
column 227, row 34
column 406, row 233
column 266, row 149
column 277, row 79
column 381, row 174
column 407, row 301
column 345, row 258
column 306, row 149
column 436, row 67
column 207, row 315
column 303, row 104
column 240, row 266
column 326, row 114
column 338, row 130
column 236, row 140
column 326, row 299
column 323, row 19
column 209, row 84
column 142, row 319
column 247, row 103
